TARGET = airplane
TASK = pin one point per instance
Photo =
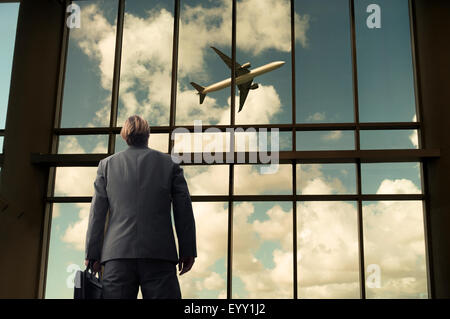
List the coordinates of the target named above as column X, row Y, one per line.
column 244, row 78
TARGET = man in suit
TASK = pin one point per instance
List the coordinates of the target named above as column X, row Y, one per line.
column 135, row 241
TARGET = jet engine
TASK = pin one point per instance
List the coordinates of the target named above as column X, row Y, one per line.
column 254, row 86
column 246, row 65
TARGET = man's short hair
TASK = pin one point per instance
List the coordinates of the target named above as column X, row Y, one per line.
column 135, row 131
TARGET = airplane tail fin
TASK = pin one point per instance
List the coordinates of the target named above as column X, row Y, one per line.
column 200, row 89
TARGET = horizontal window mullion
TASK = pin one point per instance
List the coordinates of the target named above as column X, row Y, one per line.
column 246, row 198
column 223, row 128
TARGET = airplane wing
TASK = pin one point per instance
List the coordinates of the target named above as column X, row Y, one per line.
column 228, row 61
column 243, row 92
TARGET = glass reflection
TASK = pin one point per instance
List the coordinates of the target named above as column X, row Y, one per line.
column 251, row 180
column 89, row 66
column 327, row 250
column 391, row 178
column 146, row 65
column 323, row 64
column 394, row 249
column 207, row 279
column 262, row 250
column 320, row 179
column 385, row 70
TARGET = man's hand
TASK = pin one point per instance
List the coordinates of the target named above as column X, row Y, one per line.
column 185, row 264
column 96, row 265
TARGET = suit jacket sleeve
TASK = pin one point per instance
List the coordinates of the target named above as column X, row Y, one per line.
column 183, row 214
column 97, row 216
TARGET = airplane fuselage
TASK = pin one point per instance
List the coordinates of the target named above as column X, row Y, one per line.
column 245, row 77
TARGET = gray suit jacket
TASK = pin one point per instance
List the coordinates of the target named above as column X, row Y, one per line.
column 137, row 186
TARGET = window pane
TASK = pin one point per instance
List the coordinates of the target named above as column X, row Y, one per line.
column 82, row 144
column 262, row 250
column 201, row 142
column 207, row 179
column 320, row 179
column 146, row 66
column 75, row 181
column 263, row 36
column 250, row 139
column 1, row 143
column 66, row 249
column 89, row 69
column 323, row 63
column 325, row 140
column 327, row 250
column 252, row 180
column 389, row 139
column 157, row 141
column 394, row 249
column 385, row 71
column 8, row 23
column 208, row 277
column 391, row 178
column 203, row 24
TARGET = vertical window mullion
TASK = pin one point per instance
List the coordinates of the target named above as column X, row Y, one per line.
column 294, row 167
column 116, row 76
column 173, row 88
column 357, row 145
column 232, row 150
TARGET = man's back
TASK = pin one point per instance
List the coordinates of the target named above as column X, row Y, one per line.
column 138, row 185
column 137, row 244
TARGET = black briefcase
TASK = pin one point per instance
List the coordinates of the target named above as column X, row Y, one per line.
column 87, row 285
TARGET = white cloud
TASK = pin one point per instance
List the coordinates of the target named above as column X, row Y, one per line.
column 318, row 116
column 398, row 186
column 255, row 26
column 75, row 234
column 247, row 180
column 332, row 136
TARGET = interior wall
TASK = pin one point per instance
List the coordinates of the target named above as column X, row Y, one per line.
column 28, row 130
column 433, row 59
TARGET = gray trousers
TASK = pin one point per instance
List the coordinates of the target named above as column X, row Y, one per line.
column 157, row 279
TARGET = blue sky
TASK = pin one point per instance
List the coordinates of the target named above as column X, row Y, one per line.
column 8, row 24
column 324, row 94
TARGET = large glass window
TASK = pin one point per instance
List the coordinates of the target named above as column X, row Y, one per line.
column 327, row 245
column 394, row 249
column 146, row 66
column 203, row 24
column 342, row 214
column 323, row 62
column 8, row 24
column 90, row 66
column 385, row 71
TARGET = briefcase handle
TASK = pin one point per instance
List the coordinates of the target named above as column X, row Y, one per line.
column 91, row 267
